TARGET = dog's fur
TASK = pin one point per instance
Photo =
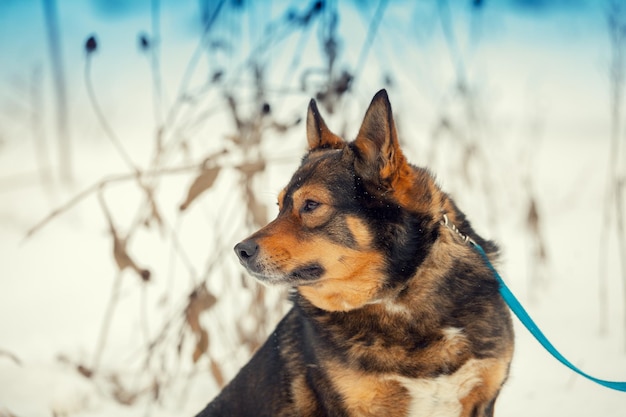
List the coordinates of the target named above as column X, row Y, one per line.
column 394, row 314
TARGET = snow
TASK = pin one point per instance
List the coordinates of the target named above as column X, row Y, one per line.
column 541, row 93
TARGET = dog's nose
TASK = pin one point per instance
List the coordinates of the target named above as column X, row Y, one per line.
column 247, row 250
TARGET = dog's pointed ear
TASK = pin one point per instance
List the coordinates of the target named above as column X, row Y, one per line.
column 317, row 134
column 377, row 142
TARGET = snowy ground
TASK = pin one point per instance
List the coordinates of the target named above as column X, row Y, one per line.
column 544, row 103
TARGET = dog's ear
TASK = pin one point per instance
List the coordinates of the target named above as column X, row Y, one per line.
column 317, row 134
column 377, row 143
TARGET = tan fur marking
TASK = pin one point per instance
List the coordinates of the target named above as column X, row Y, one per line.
column 359, row 230
column 281, row 199
column 492, row 374
column 403, row 186
column 353, row 279
column 315, row 193
column 437, row 196
column 303, row 398
column 369, row 395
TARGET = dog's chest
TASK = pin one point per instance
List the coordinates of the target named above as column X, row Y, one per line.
column 441, row 396
column 392, row 395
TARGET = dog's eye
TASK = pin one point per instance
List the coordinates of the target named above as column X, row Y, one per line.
column 309, row 206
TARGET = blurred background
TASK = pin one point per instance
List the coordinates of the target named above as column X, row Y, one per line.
column 141, row 139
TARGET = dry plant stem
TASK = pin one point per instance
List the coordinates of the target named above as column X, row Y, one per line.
column 181, row 98
column 621, row 230
column 106, row 322
column 114, row 138
column 11, row 356
column 171, row 269
column 445, row 16
column 371, row 35
column 95, row 187
column 182, row 400
column 148, row 190
column 110, row 133
column 161, row 338
column 143, row 313
column 155, row 66
column 612, row 204
column 603, row 298
column 42, row 152
column 176, row 316
column 269, row 40
column 58, row 73
column 297, row 56
column 108, row 130
column 178, row 248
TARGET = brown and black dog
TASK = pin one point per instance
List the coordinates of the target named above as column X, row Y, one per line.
column 394, row 313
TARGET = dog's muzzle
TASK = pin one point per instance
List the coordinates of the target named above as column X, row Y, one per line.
column 249, row 256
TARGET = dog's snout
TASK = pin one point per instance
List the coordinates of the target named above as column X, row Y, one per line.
column 247, row 250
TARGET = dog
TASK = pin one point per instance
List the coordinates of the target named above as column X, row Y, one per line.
column 394, row 313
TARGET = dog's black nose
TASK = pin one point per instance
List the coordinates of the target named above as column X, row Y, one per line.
column 247, row 250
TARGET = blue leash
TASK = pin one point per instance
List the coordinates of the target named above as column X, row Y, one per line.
column 523, row 316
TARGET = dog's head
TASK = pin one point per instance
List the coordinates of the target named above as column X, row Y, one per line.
column 355, row 221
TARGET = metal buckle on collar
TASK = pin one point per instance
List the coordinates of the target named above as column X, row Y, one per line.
column 465, row 238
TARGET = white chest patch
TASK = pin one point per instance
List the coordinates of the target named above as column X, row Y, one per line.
column 441, row 396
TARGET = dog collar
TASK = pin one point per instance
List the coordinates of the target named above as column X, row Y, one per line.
column 445, row 222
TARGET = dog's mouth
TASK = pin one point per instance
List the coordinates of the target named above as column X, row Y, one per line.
column 307, row 273
column 300, row 276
